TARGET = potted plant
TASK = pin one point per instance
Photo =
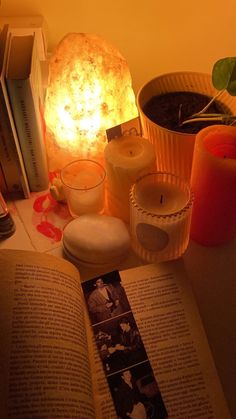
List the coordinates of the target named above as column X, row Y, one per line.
column 223, row 79
column 185, row 103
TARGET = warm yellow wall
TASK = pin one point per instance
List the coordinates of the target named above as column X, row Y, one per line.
column 155, row 36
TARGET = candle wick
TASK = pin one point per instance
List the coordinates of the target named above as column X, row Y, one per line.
column 224, row 156
column 161, row 200
column 130, row 152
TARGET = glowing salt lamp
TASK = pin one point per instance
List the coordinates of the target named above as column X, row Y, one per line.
column 89, row 90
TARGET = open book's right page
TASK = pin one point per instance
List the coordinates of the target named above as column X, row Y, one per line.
column 167, row 316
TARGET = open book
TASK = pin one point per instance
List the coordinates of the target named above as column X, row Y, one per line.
column 49, row 362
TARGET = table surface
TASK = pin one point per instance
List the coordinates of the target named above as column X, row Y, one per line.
column 212, row 272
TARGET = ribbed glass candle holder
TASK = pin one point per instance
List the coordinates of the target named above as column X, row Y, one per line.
column 160, row 216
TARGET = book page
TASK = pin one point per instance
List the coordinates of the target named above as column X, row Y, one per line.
column 164, row 308
column 44, row 367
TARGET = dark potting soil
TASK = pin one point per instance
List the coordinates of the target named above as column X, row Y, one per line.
column 170, row 109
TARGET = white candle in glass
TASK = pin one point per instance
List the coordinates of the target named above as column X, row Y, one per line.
column 160, row 216
column 162, row 198
column 83, row 183
column 126, row 159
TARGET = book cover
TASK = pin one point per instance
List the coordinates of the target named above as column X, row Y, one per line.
column 10, row 153
column 29, row 25
column 23, row 78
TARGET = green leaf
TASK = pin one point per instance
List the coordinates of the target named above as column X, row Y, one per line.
column 224, row 75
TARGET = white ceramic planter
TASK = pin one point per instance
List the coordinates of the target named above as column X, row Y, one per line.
column 174, row 150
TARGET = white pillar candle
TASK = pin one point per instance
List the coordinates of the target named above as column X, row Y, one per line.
column 160, row 216
column 126, row 159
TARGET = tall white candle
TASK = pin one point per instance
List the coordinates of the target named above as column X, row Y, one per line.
column 126, row 159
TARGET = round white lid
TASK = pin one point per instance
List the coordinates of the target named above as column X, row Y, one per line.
column 96, row 239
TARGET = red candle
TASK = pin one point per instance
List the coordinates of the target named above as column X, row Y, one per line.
column 213, row 183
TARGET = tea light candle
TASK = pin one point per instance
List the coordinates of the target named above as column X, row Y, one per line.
column 160, row 216
column 214, row 185
column 126, row 159
column 83, row 184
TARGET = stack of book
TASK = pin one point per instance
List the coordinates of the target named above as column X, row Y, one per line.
column 23, row 162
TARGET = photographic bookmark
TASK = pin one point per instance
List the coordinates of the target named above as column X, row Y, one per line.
column 129, row 374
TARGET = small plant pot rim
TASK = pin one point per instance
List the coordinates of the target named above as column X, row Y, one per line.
column 175, row 74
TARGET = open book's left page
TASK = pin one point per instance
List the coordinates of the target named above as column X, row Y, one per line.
column 44, row 367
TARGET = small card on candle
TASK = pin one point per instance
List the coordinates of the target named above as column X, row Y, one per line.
column 131, row 127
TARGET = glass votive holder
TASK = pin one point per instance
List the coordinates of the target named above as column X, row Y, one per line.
column 84, row 186
column 160, row 216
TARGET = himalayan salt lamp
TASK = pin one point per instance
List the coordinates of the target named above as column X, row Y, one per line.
column 89, row 90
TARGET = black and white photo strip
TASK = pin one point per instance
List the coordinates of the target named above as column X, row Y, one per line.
column 133, row 386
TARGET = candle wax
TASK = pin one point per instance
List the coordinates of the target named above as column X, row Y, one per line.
column 84, row 180
column 87, row 201
column 221, row 145
column 131, row 149
column 84, row 191
column 161, row 198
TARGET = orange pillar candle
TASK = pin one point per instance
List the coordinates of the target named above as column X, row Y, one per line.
column 213, row 183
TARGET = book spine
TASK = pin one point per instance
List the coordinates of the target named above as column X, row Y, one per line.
column 3, row 186
column 30, row 132
column 8, row 152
